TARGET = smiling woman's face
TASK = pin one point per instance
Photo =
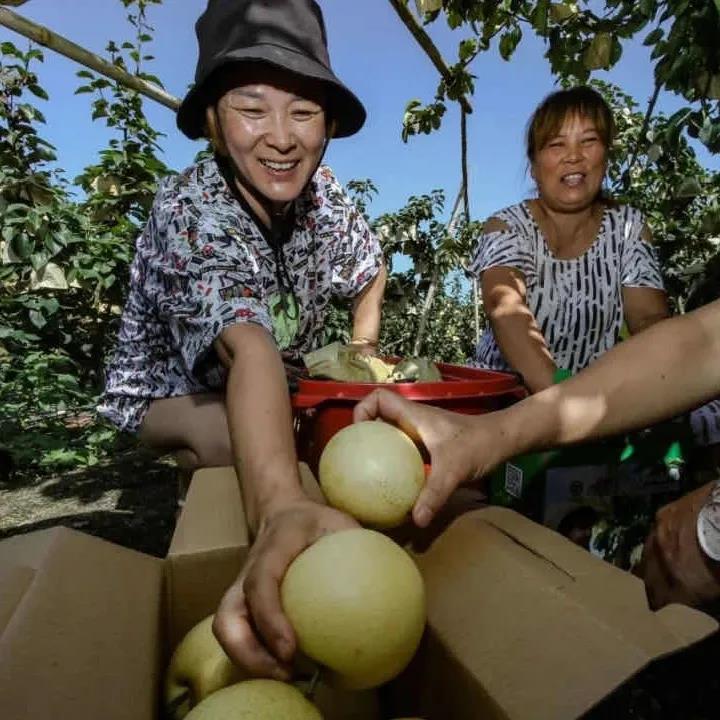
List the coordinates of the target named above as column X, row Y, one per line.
column 570, row 167
column 274, row 129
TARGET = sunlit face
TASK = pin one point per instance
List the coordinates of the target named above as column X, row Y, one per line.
column 570, row 168
column 274, row 129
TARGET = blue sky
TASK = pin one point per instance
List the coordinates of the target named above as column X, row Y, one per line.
column 376, row 56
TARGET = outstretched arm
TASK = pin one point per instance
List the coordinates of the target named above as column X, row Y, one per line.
column 671, row 367
column 249, row 622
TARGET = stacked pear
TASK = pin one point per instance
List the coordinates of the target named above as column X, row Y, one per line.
column 355, row 598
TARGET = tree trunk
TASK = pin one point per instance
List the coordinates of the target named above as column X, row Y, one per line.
column 427, row 306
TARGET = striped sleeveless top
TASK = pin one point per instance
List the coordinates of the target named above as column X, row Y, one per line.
column 577, row 302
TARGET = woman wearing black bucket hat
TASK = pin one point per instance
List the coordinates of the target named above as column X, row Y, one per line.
column 232, row 276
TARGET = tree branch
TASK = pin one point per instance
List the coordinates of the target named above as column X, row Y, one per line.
column 646, row 124
column 59, row 44
column 427, row 45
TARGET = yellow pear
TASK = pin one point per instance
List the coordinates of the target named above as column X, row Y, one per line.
column 356, row 601
column 372, row 471
column 256, row 700
column 198, row 667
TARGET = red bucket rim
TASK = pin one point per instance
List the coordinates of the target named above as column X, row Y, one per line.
column 459, row 381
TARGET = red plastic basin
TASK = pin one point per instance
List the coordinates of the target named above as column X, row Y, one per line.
column 322, row 407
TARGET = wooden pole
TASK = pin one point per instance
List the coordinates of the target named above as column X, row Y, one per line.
column 53, row 41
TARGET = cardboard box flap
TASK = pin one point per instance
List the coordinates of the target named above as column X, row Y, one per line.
column 90, row 610
column 29, row 550
column 505, row 600
column 14, row 582
column 210, row 544
column 194, row 585
column 613, row 595
column 686, row 624
column 545, row 543
column 213, row 515
column 207, row 550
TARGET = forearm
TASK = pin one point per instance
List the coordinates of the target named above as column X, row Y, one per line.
column 523, row 346
column 672, row 367
column 647, row 322
column 260, row 422
column 367, row 310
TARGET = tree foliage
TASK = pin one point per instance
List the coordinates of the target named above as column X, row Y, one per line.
column 65, row 261
column 66, row 245
column 582, row 37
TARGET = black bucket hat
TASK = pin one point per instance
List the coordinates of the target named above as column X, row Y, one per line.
column 287, row 34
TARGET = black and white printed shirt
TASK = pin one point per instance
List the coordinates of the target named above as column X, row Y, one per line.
column 577, row 303
column 203, row 263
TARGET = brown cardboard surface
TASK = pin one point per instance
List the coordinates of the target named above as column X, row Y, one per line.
column 207, row 550
column 14, row 583
column 522, row 624
column 212, row 516
column 29, row 550
column 531, row 626
column 82, row 640
column 210, row 544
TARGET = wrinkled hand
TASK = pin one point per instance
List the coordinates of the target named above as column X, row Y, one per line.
column 462, row 448
column 249, row 623
column 673, row 565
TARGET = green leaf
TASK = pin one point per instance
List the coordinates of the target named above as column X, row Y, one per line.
column 653, row 37
column 649, row 7
column 50, row 305
column 598, row 53
column 39, row 260
column 509, row 41
column 38, row 91
column 539, row 16
column 654, row 152
column 560, row 11
column 689, row 187
column 467, row 49
column 151, row 78
column 37, row 319
column 22, row 245
column 428, row 6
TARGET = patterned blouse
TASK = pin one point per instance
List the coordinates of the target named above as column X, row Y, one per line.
column 203, row 263
column 577, row 303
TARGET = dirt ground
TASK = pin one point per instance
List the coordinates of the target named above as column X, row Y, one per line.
column 131, row 502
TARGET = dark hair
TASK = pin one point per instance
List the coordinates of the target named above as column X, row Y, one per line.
column 552, row 112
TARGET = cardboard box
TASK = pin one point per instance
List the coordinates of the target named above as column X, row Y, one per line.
column 87, row 627
column 522, row 624
column 525, row 625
